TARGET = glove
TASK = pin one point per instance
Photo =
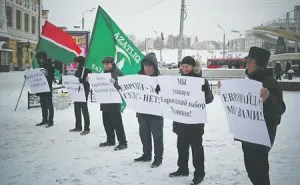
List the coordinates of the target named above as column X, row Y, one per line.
column 112, row 81
column 157, row 89
column 80, row 80
column 205, row 87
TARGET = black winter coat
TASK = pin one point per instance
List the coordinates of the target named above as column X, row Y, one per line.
column 83, row 80
column 49, row 71
column 113, row 107
column 181, row 128
column 274, row 106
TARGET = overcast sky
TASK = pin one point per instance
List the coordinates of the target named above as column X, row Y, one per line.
column 143, row 17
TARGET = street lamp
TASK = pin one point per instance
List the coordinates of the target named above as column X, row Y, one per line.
column 161, row 44
column 223, row 40
column 85, row 11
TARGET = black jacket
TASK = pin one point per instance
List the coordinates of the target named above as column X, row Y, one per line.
column 181, row 128
column 49, row 71
column 113, row 107
column 278, row 69
column 274, row 106
column 151, row 58
column 83, row 80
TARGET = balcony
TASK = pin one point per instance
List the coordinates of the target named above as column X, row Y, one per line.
column 21, row 35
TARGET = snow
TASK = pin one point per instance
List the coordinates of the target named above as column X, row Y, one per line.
column 36, row 155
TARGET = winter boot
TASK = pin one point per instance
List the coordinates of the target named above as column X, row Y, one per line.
column 143, row 158
column 76, row 130
column 179, row 173
column 41, row 124
column 85, row 132
column 197, row 180
column 157, row 162
column 120, row 147
column 105, row 144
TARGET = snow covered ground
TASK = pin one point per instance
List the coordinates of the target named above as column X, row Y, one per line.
column 32, row 155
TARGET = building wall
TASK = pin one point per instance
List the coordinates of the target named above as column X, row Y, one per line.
column 19, row 38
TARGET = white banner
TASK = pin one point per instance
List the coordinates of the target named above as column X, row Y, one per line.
column 182, row 99
column 139, row 93
column 36, row 81
column 103, row 89
column 75, row 89
column 244, row 110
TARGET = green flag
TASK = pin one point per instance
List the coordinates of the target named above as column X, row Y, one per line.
column 109, row 40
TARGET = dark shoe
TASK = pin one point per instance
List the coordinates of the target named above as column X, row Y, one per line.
column 41, row 124
column 120, row 147
column 49, row 125
column 85, row 132
column 179, row 173
column 105, row 144
column 197, row 180
column 76, row 130
column 157, row 162
column 143, row 158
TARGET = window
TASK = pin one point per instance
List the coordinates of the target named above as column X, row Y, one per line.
column 19, row 2
column 1, row 25
column 4, row 58
column 33, row 25
column 26, row 22
column 9, row 16
column 18, row 19
column 27, row 4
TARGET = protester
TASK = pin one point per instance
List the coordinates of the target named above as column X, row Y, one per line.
column 255, row 155
column 278, row 71
column 191, row 134
column 150, row 124
column 79, row 107
column 46, row 97
column 111, row 113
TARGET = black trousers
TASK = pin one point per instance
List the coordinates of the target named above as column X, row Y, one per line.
column 47, row 108
column 257, row 164
column 154, row 127
column 278, row 77
column 78, row 108
column 184, row 141
column 112, row 122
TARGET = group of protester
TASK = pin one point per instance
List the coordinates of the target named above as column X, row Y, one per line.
column 188, row 135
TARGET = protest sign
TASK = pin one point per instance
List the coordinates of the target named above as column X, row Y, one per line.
column 139, row 93
column 103, row 89
column 182, row 99
column 36, row 81
column 75, row 89
column 244, row 110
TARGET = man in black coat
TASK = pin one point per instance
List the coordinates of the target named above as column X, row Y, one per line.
column 111, row 113
column 150, row 124
column 46, row 97
column 256, row 156
column 191, row 134
column 82, row 106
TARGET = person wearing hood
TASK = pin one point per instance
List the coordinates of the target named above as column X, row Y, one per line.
column 255, row 155
column 150, row 124
column 191, row 134
column 46, row 97
column 79, row 107
column 111, row 113
column 278, row 71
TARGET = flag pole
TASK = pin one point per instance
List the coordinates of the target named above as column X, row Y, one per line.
column 20, row 94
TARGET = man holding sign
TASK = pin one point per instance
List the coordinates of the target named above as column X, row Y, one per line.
column 46, row 97
column 191, row 134
column 111, row 112
column 150, row 124
column 255, row 155
column 79, row 107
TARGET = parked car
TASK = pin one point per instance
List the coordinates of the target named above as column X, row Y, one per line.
column 296, row 70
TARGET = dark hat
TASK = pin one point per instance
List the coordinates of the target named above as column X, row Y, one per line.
column 41, row 54
column 188, row 60
column 80, row 60
column 261, row 55
column 108, row 60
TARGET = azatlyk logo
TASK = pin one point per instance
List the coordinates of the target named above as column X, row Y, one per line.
column 120, row 64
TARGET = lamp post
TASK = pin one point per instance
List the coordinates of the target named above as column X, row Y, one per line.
column 85, row 11
column 161, row 44
column 223, row 40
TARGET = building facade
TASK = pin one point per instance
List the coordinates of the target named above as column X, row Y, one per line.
column 21, row 30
